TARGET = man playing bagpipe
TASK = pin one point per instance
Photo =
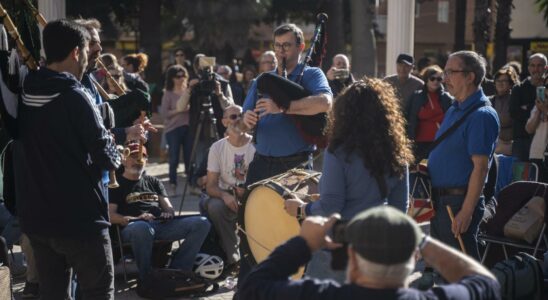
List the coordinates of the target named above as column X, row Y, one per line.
column 141, row 206
column 279, row 144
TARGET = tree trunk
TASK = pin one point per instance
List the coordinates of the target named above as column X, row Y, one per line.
column 482, row 20
column 150, row 42
column 502, row 32
column 460, row 25
column 335, row 31
column 364, row 53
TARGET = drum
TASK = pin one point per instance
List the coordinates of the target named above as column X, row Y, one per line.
column 264, row 223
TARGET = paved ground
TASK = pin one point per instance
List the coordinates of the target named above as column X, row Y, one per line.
column 125, row 290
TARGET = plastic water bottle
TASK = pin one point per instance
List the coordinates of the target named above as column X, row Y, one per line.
column 230, row 282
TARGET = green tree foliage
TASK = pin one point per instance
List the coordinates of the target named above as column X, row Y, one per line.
column 543, row 8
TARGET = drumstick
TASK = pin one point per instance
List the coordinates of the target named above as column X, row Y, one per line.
column 141, row 144
column 461, row 243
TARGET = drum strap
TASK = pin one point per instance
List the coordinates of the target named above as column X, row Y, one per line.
column 239, row 228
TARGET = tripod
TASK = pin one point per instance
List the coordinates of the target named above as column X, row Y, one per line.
column 206, row 114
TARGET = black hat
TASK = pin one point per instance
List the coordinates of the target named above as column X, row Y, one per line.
column 406, row 59
column 383, row 235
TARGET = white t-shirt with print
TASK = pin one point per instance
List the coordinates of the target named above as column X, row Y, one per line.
column 230, row 162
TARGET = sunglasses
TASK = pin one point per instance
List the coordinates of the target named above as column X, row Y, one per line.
column 433, row 78
column 234, row 116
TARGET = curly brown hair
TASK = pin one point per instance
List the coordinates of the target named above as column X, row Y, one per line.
column 367, row 119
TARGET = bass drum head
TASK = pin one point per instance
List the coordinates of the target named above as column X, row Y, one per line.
column 266, row 224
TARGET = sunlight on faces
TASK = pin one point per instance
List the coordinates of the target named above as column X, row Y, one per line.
column 94, row 47
column 434, row 81
column 456, row 78
column 536, row 67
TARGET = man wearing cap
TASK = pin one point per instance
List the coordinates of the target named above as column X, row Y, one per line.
column 382, row 243
column 141, row 206
column 404, row 82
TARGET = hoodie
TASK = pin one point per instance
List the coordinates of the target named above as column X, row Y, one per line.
column 59, row 154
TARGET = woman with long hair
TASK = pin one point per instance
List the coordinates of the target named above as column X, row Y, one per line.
column 116, row 71
column 505, row 80
column 134, row 67
column 425, row 110
column 366, row 162
column 174, row 110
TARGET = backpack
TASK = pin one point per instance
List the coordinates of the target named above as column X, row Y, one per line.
column 163, row 283
column 520, row 277
column 5, row 277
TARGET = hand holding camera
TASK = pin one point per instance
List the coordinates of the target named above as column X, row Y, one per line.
column 314, row 231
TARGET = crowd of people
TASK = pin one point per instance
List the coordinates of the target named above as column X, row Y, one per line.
column 233, row 136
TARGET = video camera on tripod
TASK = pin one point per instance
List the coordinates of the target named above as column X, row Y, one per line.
column 206, row 85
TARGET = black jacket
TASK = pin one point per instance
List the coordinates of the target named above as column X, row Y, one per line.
column 414, row 104
column 58, row 157
column 522, row 100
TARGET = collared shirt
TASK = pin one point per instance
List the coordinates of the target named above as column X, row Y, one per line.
column 277, row 134
column 450, row 163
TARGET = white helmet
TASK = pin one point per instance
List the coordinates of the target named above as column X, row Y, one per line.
column 208, row 266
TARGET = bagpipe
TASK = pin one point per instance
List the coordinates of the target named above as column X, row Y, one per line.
column 283, row 91
column 120, row 112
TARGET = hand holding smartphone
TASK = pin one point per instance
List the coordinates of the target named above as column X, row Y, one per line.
column 540, row 93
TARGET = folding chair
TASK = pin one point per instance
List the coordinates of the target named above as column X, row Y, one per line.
column 526, row 171
column 510, row 200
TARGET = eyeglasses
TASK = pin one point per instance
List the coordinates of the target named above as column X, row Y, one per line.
column 234, row 116
column 433, row 78
column 450, row 72
column 284, row 46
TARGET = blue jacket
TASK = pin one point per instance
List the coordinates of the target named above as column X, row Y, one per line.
column 58, row 157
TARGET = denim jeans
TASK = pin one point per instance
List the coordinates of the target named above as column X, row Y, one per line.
column 90, row 257
column 440, row 225
column 141, row 235
column 176, row 138
column 10, row 225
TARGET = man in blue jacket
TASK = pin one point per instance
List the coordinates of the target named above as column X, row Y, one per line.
column 59, row 156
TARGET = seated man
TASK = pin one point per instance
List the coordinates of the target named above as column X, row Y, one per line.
column 382, row 243
column 227, row 165
column 141, row 205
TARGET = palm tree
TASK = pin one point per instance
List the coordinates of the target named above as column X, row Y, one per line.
column 543, row 7
column 502, row 32
column 482, row 20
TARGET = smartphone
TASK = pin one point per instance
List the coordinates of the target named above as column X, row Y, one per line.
column 540, row 93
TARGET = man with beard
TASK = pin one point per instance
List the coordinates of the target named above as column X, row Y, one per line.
column 131, row 133
column 140, row 205
column 59, row 156
column 522, row 101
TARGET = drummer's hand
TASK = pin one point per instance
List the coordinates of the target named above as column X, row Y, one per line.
column 266, row 106
column 314, row 230
column 250, row 119
column 230, row 202
column 291, row 206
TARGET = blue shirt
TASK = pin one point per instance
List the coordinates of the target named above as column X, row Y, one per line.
column 347, row 187
column 277, row 134
column 450, row 163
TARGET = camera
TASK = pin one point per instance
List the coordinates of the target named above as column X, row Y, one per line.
column 341, row 74
column 339, row 256
column 206, row 85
